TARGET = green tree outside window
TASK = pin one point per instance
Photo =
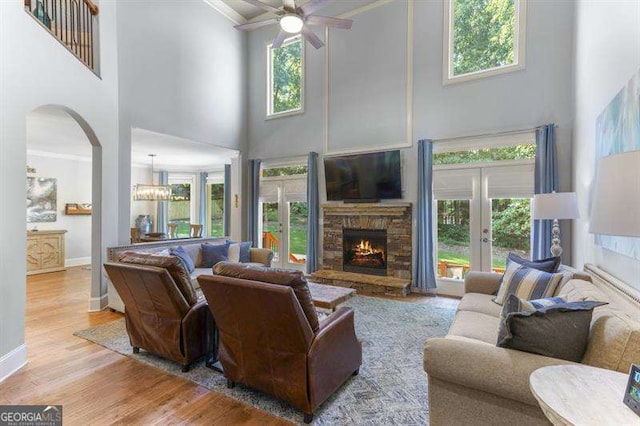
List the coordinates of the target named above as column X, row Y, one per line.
column 286, row 77
column 483, row 35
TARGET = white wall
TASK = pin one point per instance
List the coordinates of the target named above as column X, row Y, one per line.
column 73, row 186
column 539, row 94
column 607, row 54
column 37, row 70
column 182, row 73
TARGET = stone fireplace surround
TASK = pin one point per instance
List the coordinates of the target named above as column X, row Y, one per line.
column 395, row 218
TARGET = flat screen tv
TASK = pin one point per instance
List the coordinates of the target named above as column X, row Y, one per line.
column 364, row 177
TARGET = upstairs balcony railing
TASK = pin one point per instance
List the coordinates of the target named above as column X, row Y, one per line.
column 72, row 22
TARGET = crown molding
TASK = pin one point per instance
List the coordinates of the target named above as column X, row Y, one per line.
column 227, row 11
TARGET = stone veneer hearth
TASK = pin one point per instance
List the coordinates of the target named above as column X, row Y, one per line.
column 395, row 218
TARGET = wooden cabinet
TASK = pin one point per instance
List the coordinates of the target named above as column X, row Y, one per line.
column 45, row 251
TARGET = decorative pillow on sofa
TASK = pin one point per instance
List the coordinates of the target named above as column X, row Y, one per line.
column 239, row 252
column 527, row 283
column 288, row 277
column 549, row 327
column 214, row 253
column 173, row 264
column 184, row 256
column 550, row 264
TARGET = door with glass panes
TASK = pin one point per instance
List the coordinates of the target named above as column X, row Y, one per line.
column 283, row 220
column 481, row 214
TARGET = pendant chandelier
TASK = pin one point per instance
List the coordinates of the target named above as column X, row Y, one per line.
column 146, row 192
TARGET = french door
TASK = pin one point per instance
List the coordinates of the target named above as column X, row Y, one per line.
column 482, row 214
column 283, row 220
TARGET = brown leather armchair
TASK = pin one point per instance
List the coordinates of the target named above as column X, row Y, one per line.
column 159, row 318
column 267, row 342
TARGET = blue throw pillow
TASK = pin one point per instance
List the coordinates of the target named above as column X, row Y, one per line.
column 245, row 255
column 212, row 254
column 554, row 328
column 184, row 256
column 549, row 265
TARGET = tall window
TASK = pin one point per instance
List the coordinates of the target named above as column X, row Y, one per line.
column 483, row 37
column 215, row 204
column 285, row 85
column 180, row 204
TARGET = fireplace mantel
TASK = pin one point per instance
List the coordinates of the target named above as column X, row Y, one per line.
column 365, row 209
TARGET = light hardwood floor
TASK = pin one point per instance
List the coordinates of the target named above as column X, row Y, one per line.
column 95, row 385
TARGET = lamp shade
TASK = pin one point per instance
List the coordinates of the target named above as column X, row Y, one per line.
column 557, row 205
column 616, row 201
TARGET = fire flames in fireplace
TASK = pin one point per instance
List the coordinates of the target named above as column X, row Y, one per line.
column 365, row 251
column 364, row 254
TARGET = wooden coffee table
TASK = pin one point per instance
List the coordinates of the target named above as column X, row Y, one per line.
column 329, row 296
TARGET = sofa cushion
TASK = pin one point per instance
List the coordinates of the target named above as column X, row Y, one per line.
column 475, row 325
column 184, row 256
column 481, row 303
column 549, row 327
column 214, row 253
column 549, row 265
column 614, row 340
column 580, row 290
column 287, row 277
column 527, row 283
column 174, row 265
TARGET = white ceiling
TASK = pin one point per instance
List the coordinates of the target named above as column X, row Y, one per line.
column 173, row 153
column 52, row 132
column 247, row 10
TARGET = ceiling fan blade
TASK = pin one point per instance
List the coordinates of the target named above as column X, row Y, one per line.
column 312, row 6
column 312, row 38
column 289, row 5
column 282, row 35
column 254, row 25
column 265, row 6
column 344, row 24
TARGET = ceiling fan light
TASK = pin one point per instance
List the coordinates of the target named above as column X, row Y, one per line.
column 291, row 24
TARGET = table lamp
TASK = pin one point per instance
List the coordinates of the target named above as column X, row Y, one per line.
column 616, row 202
column 556, row 206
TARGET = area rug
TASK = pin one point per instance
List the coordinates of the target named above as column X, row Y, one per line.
column 390, row 389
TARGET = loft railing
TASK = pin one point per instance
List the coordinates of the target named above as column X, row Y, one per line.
column 71, row 22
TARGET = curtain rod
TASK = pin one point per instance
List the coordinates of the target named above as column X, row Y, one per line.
column 510, row 132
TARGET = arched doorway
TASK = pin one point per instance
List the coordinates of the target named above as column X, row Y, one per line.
column 67, row 139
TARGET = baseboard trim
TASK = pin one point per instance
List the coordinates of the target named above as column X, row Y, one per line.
column 97, row 304
column 77, row 261
column 12, row 362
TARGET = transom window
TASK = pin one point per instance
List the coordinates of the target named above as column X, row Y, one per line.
column 483, row 38
column 285, row 82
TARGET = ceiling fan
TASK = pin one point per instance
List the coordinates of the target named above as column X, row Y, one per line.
column 295, row 20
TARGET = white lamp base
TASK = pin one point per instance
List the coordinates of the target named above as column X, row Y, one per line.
column 556, row 250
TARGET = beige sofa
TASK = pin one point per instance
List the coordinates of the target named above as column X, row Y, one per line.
column 192, row 246
column 472, row 381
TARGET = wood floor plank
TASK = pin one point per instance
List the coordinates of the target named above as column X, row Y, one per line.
column 95, row 385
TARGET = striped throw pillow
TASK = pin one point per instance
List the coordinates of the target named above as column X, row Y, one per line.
column 527, row 283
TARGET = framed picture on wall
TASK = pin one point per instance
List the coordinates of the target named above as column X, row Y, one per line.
column 618, row 131
column 41, row 200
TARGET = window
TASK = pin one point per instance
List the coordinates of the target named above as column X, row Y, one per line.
column 517, row 152
column 285, row 83
column 483, row 38
column 180, row 207
column 215, row 204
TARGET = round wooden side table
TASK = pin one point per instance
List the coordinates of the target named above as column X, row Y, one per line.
column 582, row 395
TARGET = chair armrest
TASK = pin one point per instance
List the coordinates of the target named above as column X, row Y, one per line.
column 335, row 354
column 261, row 255
column 488, row 368
column 482, row 282
column 198, row 331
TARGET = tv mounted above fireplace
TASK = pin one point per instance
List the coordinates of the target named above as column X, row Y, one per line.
column 364, row 177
